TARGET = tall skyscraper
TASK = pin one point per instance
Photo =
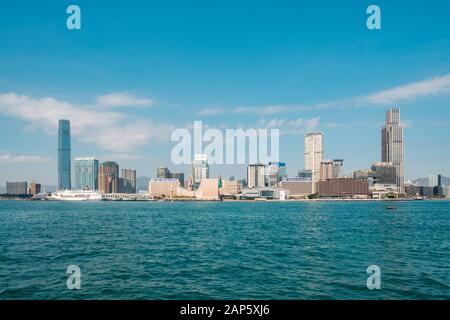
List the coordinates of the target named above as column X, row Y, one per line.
column 108, row 178
column 314, row 154
column 392, row 145
column 326, row 170
column 256, row 175
column 64, row 173
column 86, row 174
column 200, row 169
column 128, row 180
column 435, row 180
column 338, row 164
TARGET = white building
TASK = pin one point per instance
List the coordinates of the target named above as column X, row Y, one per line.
column 200, row 169
column 256, row 175
column 314, row 154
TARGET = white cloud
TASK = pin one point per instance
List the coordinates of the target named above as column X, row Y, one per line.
column 108, row 130
column 265, row 110
column 297, row 126
column 122, row 100
column 11, row 159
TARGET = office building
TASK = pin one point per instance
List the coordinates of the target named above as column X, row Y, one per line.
column 384, row 173
column 338, row 166
column 128, row 181
column 34, row 189
column 275, row 172
column 435, row 180
column 342, row 187
column 86, row 174
column 392, row 145
column 256, row 175
column 314, row 154
column 108, row 178
column 179, row 176
column 305, row 175
column 64, row 159
column 326, row 170
column 16, row 188
column 200, row 169
column 298, row 188
column 163, row 173
column 163, row 187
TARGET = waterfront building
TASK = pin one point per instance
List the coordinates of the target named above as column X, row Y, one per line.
column 384, row 173
column 326, row 170
column 229, row 188
column 108, row 180
column 342, row 187
column 179, row 176
column 163, row 173
column 434, row 180
column 200, row 169
column 362, row 174
column 208, row 190
column 163, row 187
column 35, row 188
column 16, row 188
column 86, row 173
column 305, row 175
column 392, row 145
column 64, row 158
column 314, row 154
column 338, row 165
column 297, row 187
column 128, row 181
column 275, row 172
column 256, row 175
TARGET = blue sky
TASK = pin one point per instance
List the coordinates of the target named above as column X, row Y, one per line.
column 137, row 70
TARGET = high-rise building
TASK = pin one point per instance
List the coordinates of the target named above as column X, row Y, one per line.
column 64, row 172
column 326, row 170
column 392, row 145
column 338, row 165
column 256, row 175
column 179, row 176
column 108, row 178
column 16, row 188
column 86, row 174
column 384, row 173
column 435, row 180
column 275, row 172
column 163, row 173
column 314, row 154
column 200, row 169
column 305, row 175
column 128, row 181
column 35, row 188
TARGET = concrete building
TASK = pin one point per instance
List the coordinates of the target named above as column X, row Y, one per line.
column 338, row 167
column 35, row 188
column 384, row 173
column 305, row 175
column 164, row 188
column 200, row 169
column 163, row 173
column 314, row 154
column 64, row 157
column 108, row 180
column 208, row 190
column 434, row 180
column 229, row 188
column 326, row 170
column 275, row 172
column 128, row 181
column 179, row 176
column 16, row 188
column 86, row 174
column 392, row 145
column 256, row 175
column 297, row 188
column 342, row 187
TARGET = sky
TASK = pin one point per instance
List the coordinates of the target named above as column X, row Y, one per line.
column 137, row 70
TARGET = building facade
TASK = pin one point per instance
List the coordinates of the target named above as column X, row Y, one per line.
column 384, row 173
column 16, row 188
column 108, row 177
column 342, row 187
column 128, row 181
column 392, row 145
column 64, row 157
column 338, row 167
column 34, row 189
column 435, row 180
column 200, row 169
column 314, row 154
column 256, row 175
column 326, row 170
column 86, row 173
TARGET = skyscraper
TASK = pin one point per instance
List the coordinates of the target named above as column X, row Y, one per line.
column 108, row 180
column 338, row 164
column 435, row 180
column 64, row 173
column 256, row 175
column 326, row 170
column 200, row 169
column 392, row 145
column 314, row 154
column 86, row 174
column 128, row 180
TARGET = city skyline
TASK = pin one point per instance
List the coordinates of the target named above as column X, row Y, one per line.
column 126, row 86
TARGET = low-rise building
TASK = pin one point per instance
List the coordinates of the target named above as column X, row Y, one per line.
column 16, row 188
column 297, row 188
column 342, row 187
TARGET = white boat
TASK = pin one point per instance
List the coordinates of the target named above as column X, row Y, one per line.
column 76, row 195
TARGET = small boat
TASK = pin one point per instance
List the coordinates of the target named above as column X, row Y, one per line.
column 391, row 208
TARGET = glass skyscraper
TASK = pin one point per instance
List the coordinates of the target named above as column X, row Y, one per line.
column 64, row 181
column 86, row 174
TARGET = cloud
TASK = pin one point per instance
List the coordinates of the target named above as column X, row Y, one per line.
column 11, row 159
column 108, row 130
column 297, row 126
column 113, row 100
column 429, row 87
column 265, row 110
